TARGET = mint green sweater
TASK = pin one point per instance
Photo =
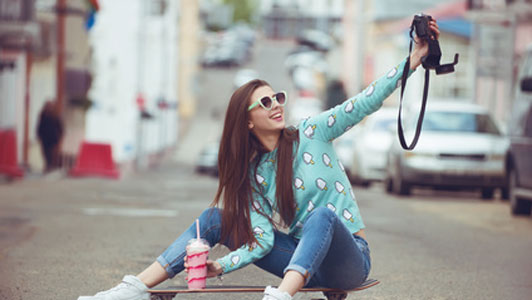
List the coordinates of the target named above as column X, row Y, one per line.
column 319, row 177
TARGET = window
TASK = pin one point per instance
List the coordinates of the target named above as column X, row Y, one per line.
column 21, row 10
column 459, row 122
column 157, row 7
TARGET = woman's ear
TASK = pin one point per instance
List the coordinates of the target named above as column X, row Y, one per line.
column 250, row 125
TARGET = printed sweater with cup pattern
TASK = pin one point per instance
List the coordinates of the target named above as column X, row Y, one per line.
column 319, row 179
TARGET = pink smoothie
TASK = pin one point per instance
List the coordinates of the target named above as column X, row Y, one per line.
column 197, row 253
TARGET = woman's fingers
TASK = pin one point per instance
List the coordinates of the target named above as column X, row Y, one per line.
column 434, row 27
column 436, row 31
column 213, row 268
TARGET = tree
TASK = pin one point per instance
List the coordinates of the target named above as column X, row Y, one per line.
column 243, row 9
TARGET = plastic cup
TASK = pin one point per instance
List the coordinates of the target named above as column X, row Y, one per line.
column 197, row 254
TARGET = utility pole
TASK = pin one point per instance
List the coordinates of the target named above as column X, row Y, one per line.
column 354, row 27
column 141, row 161
column 61, row 14
column 26, row 143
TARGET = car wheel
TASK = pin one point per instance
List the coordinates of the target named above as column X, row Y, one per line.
column 487, row 193
column 356, row 180
column 388, row 185
column 399, row 186
column 505, row 194
column 364, row 183
column 518, row 206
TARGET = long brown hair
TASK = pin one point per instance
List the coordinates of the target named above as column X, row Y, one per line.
column 238, row 158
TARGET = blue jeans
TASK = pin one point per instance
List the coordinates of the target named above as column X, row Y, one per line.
column 327, row 254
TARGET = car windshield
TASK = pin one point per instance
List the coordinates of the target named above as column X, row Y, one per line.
column 459, row 122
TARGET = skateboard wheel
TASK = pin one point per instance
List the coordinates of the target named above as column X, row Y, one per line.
column 335, row 295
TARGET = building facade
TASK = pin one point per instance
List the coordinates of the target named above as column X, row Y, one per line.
column 18, row 32
column 288, row 18
column 135, row 69
column 503, row 30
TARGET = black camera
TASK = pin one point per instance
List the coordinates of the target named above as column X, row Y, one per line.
column 420, row 25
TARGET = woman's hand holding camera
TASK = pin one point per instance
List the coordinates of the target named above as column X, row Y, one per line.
column 421, row 46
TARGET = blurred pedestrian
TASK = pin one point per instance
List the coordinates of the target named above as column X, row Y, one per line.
column 335, row 92
column 266, row 171
column 50, row 134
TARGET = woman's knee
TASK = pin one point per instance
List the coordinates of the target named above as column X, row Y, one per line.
column 322, row 213
column 319, row 217
column 211, row 213
column 211, row 218
column 210, row 222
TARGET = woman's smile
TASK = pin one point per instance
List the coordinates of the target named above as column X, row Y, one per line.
column 277, row 116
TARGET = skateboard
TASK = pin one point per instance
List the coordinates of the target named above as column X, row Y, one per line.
column 330, row 294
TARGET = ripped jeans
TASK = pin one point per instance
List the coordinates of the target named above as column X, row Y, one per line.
column 327, row 255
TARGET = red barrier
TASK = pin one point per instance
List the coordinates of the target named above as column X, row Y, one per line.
column 8, row 154
column 95, row 159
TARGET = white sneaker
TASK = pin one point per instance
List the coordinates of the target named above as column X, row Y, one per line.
column 271, row 293
column 131, row 288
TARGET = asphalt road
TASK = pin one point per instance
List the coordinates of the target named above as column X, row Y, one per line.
column 61, row 237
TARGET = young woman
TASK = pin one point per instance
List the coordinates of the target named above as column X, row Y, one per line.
column 292, row 175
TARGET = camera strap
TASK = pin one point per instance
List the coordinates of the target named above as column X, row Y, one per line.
column 423, row 102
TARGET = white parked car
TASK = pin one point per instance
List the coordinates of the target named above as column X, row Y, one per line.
column 344, row 146
column 372, row 143
column 460, row 147
column 244, row 76
column 207, row 161
column 311, row 59
column 316, row 39
column 304, row 79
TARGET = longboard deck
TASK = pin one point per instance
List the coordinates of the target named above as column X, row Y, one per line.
column 251, row 289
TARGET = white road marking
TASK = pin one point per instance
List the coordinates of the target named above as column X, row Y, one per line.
column 128, row 212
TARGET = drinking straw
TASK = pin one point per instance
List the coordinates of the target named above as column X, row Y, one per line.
column 197, row 229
